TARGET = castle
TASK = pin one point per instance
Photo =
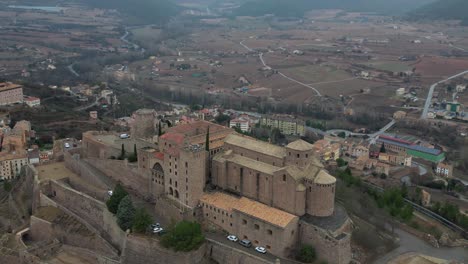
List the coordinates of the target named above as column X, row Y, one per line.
column 277, row 197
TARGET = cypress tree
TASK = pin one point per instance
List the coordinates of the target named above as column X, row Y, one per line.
column 122, row 153
column 135, row 152
column 207, row 141
column 159, row 129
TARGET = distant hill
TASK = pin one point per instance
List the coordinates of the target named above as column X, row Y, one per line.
column 443, row 9
column 140, row 11
column 300, row 7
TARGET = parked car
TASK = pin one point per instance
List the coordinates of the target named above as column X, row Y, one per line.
column 260, row 250
column 232, row 238
column 110, row 192
column 245, row 243
column 154, row 226
column 158, row 230
column 67, row 145
column 124, row 136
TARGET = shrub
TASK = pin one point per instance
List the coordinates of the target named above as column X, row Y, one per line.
column 184, row 236
column 125, row 213
column 141, row 221
column 307, row 254
column 117, row 195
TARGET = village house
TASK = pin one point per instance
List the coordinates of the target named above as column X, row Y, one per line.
column 444, row 169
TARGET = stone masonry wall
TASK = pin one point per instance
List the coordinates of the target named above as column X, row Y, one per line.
column 125, row 173
column 41, row 229
column 328, row 248
column 87, row 210
column 140, row 250
column 227, row 255
column 74, row 164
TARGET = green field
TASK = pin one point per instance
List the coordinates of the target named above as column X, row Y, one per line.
column 146, row 34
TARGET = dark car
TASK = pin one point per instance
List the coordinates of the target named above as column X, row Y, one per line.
column 245, row 243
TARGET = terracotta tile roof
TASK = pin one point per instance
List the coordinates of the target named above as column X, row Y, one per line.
column 174, row 137
column 173, row 152
column 196, row 128
column 159, row 156
column 300, row 145
column 249, row 207
column 256, row 146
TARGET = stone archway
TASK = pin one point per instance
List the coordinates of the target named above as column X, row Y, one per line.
column 158, row 170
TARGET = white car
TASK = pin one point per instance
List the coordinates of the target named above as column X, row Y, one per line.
column 110, row 192
column 158, row 230
column 67, row 145
column 232, row 238
column 260, row 250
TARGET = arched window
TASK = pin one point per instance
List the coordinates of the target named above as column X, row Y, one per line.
column 171, row 192
column 176, row 194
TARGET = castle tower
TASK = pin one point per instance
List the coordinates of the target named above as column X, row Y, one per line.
column 298, row 153
column 320, row 194
column 144, row 125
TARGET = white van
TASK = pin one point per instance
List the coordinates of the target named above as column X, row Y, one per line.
column 124, row 136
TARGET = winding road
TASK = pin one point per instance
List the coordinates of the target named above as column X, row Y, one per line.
column 431, row 92
column 280, row 73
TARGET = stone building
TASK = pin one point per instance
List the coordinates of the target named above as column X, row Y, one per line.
column 144, row 125
column 288, row 125
column 11, row 163
column 290, row 180
column 277, row 197
column 10, row 93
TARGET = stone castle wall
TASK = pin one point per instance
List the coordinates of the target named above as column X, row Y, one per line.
column 141, row 250
column 227, row 255
column 123, row 172
column 41, row 229
column 87, row 210
column 335, row 251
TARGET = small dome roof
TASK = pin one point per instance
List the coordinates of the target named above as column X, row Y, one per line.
column 324, row 178
column 300, row 145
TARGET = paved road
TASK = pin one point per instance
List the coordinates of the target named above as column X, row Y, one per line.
column 431, row 92
column 280, row 73
column 223, row 240
column 85, row 107
column 348, row 133
column 410, row 243
column 72, row 70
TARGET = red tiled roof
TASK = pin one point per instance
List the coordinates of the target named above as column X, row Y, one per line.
column 173, row 152
column 396, row 140
column 173, row 137
column 159, row 156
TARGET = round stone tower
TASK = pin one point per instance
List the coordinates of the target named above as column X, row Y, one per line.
column 321, row 194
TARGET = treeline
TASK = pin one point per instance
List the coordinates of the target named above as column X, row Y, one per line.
column 297, row 8
column 443, row 9
column 451, row 212
column 141, row 11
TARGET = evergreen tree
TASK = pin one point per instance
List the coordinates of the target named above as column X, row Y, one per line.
column 159, row 129
column 207, row 140
column 135, row 154
column 117, row 195
column 141, row 221
column 125, row 213
column 122, row 153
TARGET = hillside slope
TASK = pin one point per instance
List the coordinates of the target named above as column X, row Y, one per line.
column 140, row 11
column 443, row 9
column 299, row 7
